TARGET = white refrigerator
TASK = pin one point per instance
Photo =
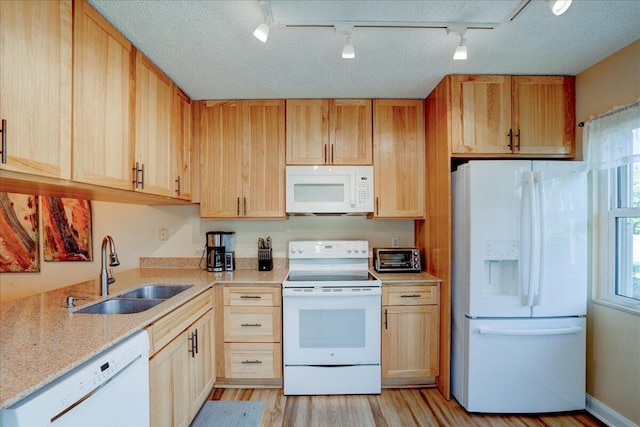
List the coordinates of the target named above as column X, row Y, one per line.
column 519, row 286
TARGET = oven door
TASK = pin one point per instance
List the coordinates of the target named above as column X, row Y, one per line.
column 331, row 326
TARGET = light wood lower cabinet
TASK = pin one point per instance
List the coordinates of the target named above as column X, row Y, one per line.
column 181, row 367
column 252, row 325
column 410, row 321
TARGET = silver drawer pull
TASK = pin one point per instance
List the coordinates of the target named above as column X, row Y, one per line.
column 251, row 324
column 250, row 297
column 411, row 296
column 252, row 362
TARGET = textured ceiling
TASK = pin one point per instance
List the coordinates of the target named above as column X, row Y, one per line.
column 208, row 49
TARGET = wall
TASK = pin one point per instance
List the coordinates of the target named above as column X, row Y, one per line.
column 135, row 232
column 613, row 336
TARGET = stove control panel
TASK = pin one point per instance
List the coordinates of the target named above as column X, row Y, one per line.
column 329, row 249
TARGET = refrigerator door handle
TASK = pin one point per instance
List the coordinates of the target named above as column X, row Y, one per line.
column 527, row 230
column 530, row 332
column 541, row 249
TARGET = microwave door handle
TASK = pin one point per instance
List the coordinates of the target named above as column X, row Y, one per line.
column 353, row 189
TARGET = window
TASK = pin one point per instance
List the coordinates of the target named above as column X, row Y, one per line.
column 613, row 147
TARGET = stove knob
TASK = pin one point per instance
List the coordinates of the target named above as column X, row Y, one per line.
column 293, row 249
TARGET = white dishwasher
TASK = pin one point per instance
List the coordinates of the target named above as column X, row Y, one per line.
column 111, row 389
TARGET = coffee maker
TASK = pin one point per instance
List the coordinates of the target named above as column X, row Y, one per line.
column 219, row 250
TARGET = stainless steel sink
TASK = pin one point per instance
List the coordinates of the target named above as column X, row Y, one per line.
column 155, row 291
column 120, row 306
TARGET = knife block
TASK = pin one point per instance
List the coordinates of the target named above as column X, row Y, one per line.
column 265, row 261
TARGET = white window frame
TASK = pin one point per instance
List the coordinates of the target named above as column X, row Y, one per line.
column 606, row 214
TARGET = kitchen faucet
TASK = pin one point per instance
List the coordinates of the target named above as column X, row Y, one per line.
column 106, row 276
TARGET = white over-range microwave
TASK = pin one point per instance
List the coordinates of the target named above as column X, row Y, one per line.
column 329, row 189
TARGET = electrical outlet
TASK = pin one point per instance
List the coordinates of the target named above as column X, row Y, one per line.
column 394, row 242
column 163, row 233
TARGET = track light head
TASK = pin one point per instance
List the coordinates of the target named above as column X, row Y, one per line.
column 460, row 53
column 262, row 32
column 348, row 52
column 558, row 7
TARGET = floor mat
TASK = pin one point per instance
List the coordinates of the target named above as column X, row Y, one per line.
column 226, row 413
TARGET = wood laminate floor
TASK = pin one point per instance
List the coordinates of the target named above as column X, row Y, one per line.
column 392, row 408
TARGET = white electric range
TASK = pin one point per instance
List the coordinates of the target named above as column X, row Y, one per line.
column 331, row 319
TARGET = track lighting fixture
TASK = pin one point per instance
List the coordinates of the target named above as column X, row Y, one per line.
column 461, row 50
column 262, row 32
column 558, row 7
column 348, row 52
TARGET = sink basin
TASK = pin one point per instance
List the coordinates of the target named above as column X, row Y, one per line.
column 155, row 291
column 121, row 306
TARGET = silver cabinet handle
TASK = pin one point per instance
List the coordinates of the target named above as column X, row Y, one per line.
column 250, row 297
column 251, row 362
column 410, row 296
column 177, row 181
column 246, row 325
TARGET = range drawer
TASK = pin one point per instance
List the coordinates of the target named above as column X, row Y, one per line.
column 252, row 324
column 252, row 296
column 253, row 360
column 410, row 295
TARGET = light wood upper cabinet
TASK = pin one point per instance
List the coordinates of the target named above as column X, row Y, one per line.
column 307, row 131
column 35, row 77
column 181, row 144
column 399, row 159
column 336, row 131
column 102, row 100
column 154, row 93
column 263, row 159
column 481, row 114
column 543, row 114
column 493, row 116
column 221, row 159
column 242, row 152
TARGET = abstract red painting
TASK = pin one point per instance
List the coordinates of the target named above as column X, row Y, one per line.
column 67, row 229
column 19, row 233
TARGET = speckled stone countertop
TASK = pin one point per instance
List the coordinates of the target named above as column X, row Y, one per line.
column 40, row 339
column 405, row 278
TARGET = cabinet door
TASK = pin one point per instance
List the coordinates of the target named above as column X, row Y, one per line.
column 543, row 109
column 398, row 139
column 481, row 115
column 169, row 384
column 102, row 141
column 181, row 142
column 35, row 77
column 202, row 361
column 221, row 159
column 153, row 110
column 350, row 140
column 307, row 131
column 409, row 341
column 263, row 193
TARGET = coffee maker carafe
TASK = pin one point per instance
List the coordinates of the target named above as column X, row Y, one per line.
column 219, row 250
column 215, row 251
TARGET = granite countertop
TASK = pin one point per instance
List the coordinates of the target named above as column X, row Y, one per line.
column 405, row 278
column 40, row 339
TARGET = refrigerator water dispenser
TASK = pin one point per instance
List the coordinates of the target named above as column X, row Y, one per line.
column 501, row 268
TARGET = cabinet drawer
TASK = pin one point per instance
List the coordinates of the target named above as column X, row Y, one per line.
column 410, row 295
column 168, row 327
column 258, row 295
column 252, row 324
column 246, row 360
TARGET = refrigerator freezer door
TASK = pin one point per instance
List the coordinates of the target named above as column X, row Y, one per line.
column 524, row 366
column 562, row 288
column 496, row 253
